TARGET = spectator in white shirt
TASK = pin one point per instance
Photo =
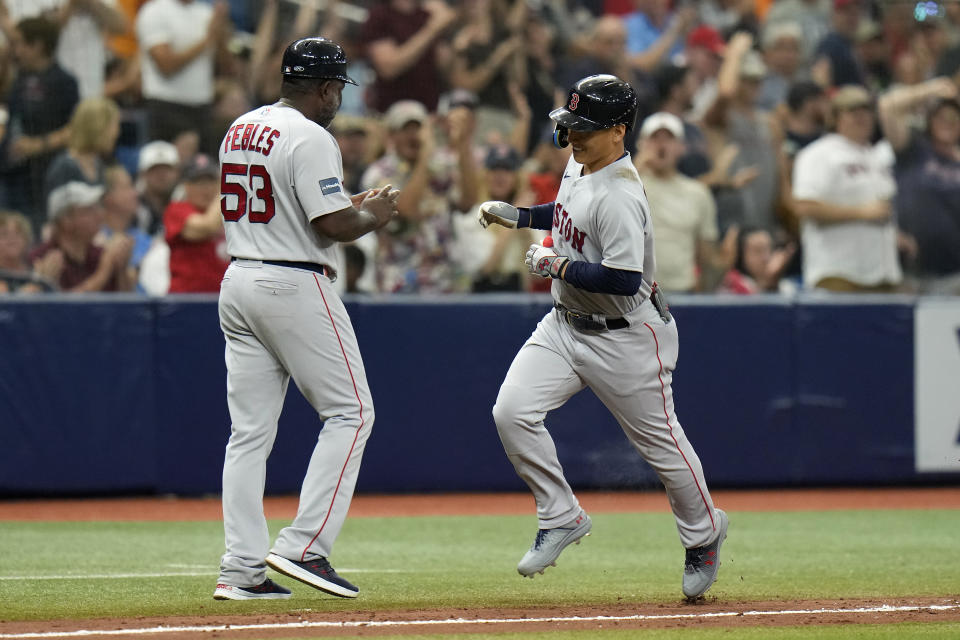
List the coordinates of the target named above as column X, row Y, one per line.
column 843, row 187
column 179, row 40
column 688, row 255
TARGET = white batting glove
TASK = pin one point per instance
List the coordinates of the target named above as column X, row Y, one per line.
column 542, row 261
column 497, row 212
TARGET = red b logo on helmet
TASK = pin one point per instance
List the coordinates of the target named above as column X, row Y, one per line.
column 574, row 101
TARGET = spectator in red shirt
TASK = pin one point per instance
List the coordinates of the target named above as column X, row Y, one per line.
column 194, row 231
column 70, row 256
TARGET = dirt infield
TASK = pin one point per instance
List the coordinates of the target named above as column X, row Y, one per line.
column 184, row 509
column 360, row 623
column 439, row 622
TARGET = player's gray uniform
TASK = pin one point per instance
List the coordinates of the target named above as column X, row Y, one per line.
column 603, row 217
column 281, row 322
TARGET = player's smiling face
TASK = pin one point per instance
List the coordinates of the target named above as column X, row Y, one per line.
column 596, row 149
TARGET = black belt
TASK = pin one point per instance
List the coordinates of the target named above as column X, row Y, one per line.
column 322, row 269
column 585, row 322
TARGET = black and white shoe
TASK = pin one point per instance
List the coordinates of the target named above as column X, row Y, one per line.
column 317, row 573
column 266, row 590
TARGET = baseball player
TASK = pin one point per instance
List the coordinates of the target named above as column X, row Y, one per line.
column 285, row 208
column 609, row 330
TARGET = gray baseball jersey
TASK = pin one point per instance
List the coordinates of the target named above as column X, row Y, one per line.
column 279, row 171
column 603, row 217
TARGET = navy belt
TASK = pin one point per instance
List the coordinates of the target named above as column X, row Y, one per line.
column 584, row 322
column 322, row 269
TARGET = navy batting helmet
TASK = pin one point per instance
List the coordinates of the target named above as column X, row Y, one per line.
column 316, row 58
column 594, row 103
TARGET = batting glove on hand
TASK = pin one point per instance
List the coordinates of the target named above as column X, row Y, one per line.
column 542, row 261
column 496, row 212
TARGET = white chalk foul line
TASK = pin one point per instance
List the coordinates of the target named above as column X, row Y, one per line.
column 306, row 624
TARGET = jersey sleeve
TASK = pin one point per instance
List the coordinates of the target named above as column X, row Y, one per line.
column 318, row 174
column 811, row 175
column 152, row 28
column 621, row 220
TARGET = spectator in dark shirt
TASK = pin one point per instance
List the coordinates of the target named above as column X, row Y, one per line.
column 402, row 40
column 836, row 62
column 194, row 231
column 70, row 254
column 927, row 171
column 158, row 171
column 487, row 57
column 803, row 122
column 675, row 87
column 40, row 102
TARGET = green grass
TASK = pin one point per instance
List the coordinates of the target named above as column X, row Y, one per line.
column 433, row 562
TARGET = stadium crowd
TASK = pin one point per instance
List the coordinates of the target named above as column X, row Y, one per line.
column 783, row 144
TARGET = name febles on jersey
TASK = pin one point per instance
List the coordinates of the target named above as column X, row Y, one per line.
column 279, row 171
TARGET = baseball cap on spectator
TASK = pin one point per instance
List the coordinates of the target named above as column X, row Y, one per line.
column 706, row 37
column 403, row 112
column 201, row 166
column 502, row 156
column 70, row 195
column 851, row 97
column 780, row 30
column 752, row 66
column 662, row 120
column 157, row 152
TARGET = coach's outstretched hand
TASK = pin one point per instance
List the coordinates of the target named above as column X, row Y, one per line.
column 497, row 212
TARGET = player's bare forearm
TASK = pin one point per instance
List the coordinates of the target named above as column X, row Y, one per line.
column 376, row 209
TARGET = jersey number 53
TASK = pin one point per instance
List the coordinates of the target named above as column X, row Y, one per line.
column 252, row 193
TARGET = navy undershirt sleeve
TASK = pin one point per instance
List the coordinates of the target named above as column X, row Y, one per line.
column 539, row 216
column 597, row 278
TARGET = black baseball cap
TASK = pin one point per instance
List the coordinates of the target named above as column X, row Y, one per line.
column 502, row 156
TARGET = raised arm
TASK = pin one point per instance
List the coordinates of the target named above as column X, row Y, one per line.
column 896, row 103
column 391, row 59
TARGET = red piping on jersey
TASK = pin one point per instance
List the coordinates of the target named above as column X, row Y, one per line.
column 355, row 436
column 670, row 426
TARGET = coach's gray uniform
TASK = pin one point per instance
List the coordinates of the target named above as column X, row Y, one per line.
column 603, row 217
column 281, row 171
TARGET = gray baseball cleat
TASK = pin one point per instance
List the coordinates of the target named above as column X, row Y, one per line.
column 550, row 542
column 703, row 563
